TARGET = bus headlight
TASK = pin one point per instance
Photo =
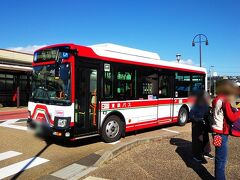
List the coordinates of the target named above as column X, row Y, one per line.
column 62, row 122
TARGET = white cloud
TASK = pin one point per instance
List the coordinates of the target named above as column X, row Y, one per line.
column 26, row 49
column 188, row 62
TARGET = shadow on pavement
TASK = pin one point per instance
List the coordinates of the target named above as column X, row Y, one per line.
column 184, row 150
column 30, row 162
column 96, row 139
column 77, row 143
column 51, row 141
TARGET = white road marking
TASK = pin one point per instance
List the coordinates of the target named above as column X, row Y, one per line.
column 16, row 127
column 69, row 171
column 21, row 166
column 94, row 178
column 10, row 124
column 6, row 121
column 114, row 142
column 20, row 122
column 3, row 120
column 176, row 132
column 8, row 154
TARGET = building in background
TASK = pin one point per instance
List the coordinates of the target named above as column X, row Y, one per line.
column 15, row 77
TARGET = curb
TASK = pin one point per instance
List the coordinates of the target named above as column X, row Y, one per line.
column 110, row 154
column 114, row 152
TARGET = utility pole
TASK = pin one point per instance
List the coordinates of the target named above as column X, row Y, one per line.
column 210, row 80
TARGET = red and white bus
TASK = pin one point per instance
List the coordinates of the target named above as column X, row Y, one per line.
column 108, row 90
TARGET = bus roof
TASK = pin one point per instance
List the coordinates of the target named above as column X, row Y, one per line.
column 127, row 52
column 117, row 53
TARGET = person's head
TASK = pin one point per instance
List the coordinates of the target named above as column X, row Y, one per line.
column 202, row 98
column 227, row 88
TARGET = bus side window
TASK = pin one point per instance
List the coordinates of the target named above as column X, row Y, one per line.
column 197, row 83
column 108, row 79
column 126, row 83
column 148, row 84
column 182, row 84
column 108, row 84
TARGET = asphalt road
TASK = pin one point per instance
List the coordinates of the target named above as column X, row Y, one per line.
column 20, row 150
column 22, row 145
column 167, row 159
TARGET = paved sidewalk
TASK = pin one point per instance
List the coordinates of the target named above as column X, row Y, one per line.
column 167, row 159
column 13, row 113
column 84, row 166
column 170, row 158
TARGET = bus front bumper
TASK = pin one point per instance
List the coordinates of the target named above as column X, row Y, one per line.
column 48, row 131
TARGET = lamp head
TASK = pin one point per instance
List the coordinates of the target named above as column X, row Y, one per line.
column 193, row 43
column 206, row 42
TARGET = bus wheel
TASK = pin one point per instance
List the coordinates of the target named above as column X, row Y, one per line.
column 182, row 116
column 112, row 129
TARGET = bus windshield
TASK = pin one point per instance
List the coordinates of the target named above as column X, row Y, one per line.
column 49, row 89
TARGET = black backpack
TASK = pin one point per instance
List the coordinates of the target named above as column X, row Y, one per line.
column 209, row 119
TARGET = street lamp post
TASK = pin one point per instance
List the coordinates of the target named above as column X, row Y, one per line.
column 200, row 38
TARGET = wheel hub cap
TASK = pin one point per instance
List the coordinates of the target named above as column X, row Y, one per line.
column 183, row 117
column 112, row 129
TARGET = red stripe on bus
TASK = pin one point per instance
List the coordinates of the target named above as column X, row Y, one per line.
column 42, row 107
column 139, row 103
column 148, row 124
column 73, row 79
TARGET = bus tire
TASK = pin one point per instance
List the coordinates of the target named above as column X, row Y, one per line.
column 112, row 129
column 182, row 116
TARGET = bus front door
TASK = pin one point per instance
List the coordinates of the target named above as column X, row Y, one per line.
column 86, row 91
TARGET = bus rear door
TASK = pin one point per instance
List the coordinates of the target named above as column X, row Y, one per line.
column 165, row 101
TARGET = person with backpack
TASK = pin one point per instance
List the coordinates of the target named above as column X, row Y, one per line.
column 224, row 117
column 199, row 113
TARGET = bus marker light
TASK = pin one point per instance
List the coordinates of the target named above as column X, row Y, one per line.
column 57, row 133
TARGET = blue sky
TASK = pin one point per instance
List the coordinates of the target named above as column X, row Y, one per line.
column 163, row 26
